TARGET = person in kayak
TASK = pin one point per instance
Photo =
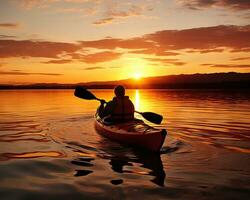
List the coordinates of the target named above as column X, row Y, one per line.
column 120, row 109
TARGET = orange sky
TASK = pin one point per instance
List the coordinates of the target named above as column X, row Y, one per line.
column 70, row 41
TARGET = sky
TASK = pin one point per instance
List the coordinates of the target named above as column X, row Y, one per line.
column 72, row 41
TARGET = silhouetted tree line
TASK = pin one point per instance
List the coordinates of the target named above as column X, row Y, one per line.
column 229, row 80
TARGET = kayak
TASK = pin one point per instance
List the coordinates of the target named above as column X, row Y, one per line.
column 134, row 132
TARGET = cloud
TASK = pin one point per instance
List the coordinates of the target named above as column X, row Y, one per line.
column 88, row 11
column 166, row 61
column 111, row 43
column 226, row 66
column 104, row 21
column 82, row 1
column 100, row 57
column 17, row 72
column 7, row 36
column 76, row 1
column 133, row 10
column 206, row 64
column 93, row 68
column 113, row 11
column 204, row 38
column 230, row 4
column 117, row 14
column 246, row 49
column 28, row 4
column 9, row 25
column 171, row 42
column 242, row 58
column 215, row 50
column 62, row 61
column 155, row 51
column 162, row 60
column 55, row 50
column 212, row 50
column 70, row 10
column 99, row 67
column 29, row 48
column 163, row 44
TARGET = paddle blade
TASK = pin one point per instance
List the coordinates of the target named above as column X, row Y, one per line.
column 152, row 117
column 83, row 93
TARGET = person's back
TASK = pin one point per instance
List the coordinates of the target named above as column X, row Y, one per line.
column 119, row 109
column 123, row 109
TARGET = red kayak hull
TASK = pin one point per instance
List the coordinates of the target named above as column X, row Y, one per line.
column 135, row 133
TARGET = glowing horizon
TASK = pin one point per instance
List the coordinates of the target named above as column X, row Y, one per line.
column 69, row 41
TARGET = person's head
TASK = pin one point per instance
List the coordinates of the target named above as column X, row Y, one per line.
column 119, row 91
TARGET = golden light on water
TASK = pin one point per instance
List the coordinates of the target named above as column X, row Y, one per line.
column 137, row 100
column 140, row 103
column 28, row 155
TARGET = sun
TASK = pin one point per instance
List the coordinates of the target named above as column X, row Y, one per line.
column 137, row 76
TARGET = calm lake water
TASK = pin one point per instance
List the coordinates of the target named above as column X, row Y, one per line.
column 49, row 148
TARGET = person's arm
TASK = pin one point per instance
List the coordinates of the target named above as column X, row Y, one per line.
column 132, row 105
column 101, row 107
column 105, row 110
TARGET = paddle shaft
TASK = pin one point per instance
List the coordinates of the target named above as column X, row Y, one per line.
column 85, row 94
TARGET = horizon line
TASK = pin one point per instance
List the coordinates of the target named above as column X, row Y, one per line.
column 126, row 79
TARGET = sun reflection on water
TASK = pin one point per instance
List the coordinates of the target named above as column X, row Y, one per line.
column 137, row 100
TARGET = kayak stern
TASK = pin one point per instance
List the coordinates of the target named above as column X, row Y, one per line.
column 151, row 139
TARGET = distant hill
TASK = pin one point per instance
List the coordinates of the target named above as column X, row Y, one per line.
column 231, row 80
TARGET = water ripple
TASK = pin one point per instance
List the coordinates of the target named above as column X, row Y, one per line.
column 28, row 155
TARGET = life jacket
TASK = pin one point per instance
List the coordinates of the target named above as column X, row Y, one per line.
column 123, row 109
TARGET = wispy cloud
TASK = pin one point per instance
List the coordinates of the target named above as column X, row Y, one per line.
column 61, row 61
column 28, row 4
column 9, row 25
column 227, row 66
column 94, row 68
column 101, row 67
column 231, row 4
column 218, row 50
column 7, row 36
column 115, row 14
column 155, row 51
column 82, row 1
column 70, row 10
column 18, row 73
column 166, row 61
column 241, row 58
column 86, row 11
column 104, row 21
column 101, row 57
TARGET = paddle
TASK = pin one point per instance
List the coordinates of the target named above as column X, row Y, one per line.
column 85, row 94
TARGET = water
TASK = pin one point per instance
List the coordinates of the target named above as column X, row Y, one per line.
column 49, row 148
